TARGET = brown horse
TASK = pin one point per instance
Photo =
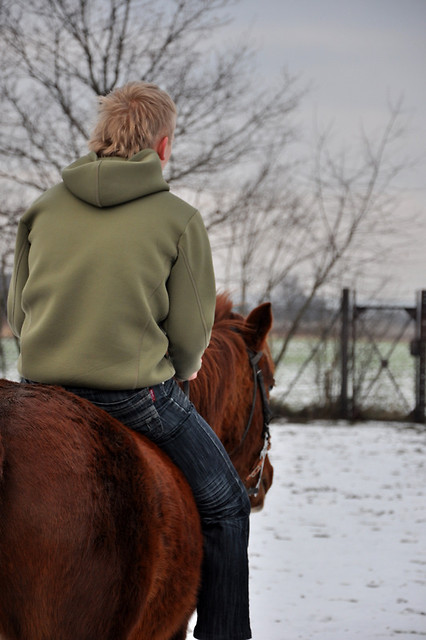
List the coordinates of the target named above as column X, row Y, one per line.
column 99, row 533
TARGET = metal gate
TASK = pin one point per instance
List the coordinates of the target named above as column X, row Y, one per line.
column 383, row 360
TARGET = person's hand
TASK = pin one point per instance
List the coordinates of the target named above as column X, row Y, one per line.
column 194, row 375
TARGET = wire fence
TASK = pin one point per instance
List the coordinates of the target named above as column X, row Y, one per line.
column 363, row 362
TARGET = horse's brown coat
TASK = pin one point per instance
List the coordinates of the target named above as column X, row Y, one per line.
column 99, row 534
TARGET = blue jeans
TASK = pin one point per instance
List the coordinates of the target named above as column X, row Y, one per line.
column 172, row 422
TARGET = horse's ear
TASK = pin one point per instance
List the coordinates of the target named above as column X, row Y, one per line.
column 258, row 323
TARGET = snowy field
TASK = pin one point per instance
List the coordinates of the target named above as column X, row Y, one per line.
column 339, row 551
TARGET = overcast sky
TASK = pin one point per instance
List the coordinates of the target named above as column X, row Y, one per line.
column 355, row 55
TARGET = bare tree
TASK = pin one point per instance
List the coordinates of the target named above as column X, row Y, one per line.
column 232, row 149
column 330, row 226
column 57, row 55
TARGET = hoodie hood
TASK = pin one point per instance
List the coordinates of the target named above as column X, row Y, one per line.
column 106, row 182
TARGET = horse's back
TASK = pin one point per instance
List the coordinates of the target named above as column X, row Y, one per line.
column 98, row 530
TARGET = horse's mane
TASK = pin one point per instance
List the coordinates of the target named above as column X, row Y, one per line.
column 226, row 319
column 228, row 330
column 223, row 307
column 224, row 315
column 222, row 359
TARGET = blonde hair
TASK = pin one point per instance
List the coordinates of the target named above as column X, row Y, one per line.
column 131, row 118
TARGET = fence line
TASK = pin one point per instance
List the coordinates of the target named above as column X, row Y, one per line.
column 371, row 373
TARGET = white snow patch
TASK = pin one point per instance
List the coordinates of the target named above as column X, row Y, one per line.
column 339, row 550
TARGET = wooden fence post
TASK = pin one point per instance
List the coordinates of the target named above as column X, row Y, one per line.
column 344, row 355
column 421, row 360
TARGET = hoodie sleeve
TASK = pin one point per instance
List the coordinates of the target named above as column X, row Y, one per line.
column 192, row 300
column 15, row 313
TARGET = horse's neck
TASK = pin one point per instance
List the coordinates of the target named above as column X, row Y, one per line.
column 218, row 392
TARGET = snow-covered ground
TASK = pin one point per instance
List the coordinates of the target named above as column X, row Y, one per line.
column 339, row 551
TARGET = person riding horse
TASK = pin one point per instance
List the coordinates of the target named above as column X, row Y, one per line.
column 112, row 297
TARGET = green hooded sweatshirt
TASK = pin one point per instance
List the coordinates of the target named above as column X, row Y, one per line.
column 113, row 284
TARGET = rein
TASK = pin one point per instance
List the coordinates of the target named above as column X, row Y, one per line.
column 259, row 384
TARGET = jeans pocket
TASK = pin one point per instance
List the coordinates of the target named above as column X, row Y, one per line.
column 137, row 412
column 172, row 412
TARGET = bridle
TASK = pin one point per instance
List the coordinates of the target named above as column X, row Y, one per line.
column 259, row 384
